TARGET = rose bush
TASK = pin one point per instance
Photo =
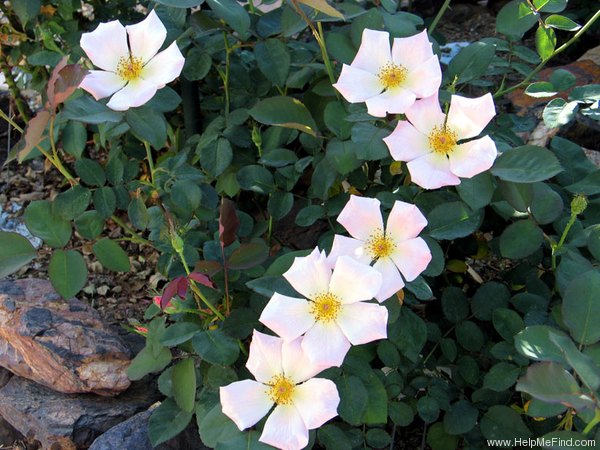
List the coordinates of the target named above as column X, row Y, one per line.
column 468, row 316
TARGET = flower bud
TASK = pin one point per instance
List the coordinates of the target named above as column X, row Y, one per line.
column 177, row 243
column 578, row 204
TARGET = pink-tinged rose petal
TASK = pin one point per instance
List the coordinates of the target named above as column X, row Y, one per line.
column 406, row 142
column 473, row 157
column 425, row 79
column 426, row 114
column 296, row 364
column 134, row 94
column 393, row 101
column 245, row 402
column 309, row 275
column 374, row 51
column 289, row 317
column 317, row 401
column 392, row 280
column 264, row 360
column 325, row 344
column 347, row 246
column 106, row 45
column 469, row 116
column 361, row 217
column 146, row 37
column 285, row 429
column 411, row 257
column 432, row 171
column 101, row 84
column 404, row 222
column 353, row 281
column 164, row 67
column 410, row 52
column 357, row 85
column 363, row 322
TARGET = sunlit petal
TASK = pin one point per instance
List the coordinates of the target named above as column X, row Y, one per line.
column 245, row 402
column 426, row 114
column 325, row 344
column 285, row 429
column 146, row 37
column 392, row 101
column 353, row 281
column 264, row 360
column 374, row 51
column 406, row 142
column 134, row 94
column 425, row 79
column 289, row 317
column 363, row 322
column 412, row 257
column 405, row 221
column 164, row 67
column 296, row 364
column 309, row 275
column 469, row 116
column 432, row 171
column 101, row 84
column 412, row 51
column 473, row 157
column 347, row 246
column 357, row 85
column 317, row 401
column 361, row 217
column 392, row 280
column 106, row 45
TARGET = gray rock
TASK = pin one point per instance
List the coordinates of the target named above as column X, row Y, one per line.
column 61, row 344
column 64, row 421
column 4, row 376
column 8, row 433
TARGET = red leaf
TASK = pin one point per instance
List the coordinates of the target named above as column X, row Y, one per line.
column 172, row 288
column 210, row 268
column 63, row 82
column 228, row 222
column 182, row 286
column 31, row 137
column 202, row 279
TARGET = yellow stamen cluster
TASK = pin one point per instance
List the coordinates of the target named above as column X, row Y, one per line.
column 281, row 390
column 379, row 246
column 130, row 68
column 325, row 307
column 442, row 140
column 392, row 75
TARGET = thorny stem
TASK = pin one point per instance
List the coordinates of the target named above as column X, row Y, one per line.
column 541, row 65
column 226, row 75
column 226, row 276
column 14, row 91
column 438, row 16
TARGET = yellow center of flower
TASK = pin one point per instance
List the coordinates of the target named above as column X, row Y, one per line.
column 325, row 307
column 442, row 140
column 130, row 68
column 392, row 75
column 379, row 246
column 281, row 390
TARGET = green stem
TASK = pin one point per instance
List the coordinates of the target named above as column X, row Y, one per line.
column 557, row 247
column 251, row 7
column 541, row 65
column 226, row 75
column 150, row 160
column 14, row 91
column 595, row 421
column 438, row 16
column 134, row 236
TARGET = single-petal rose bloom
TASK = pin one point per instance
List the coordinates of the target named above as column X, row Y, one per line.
column 132, row 72
column 284, row 378
column 390, row 80
column 334, row 314
column 429, row 143
column 398, row 252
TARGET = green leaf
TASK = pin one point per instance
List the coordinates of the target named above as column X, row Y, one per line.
column 111, row 255
column 469, row 336
column 558, row 112
column 561, row 23
column 541, row 89
column 148, row 125
column 547, row 204
column 501, row 376
column 216, row 156
column 526, row 164
column 138, row 213
column 233, row 14
column 44, row 221
column 256, row 178
column 184, row 384
column 378, row 438
column 460, row 418
column 89, row 224
column 471, row 62
column 507, row 323
column 74, row 138
column 179, row 332
column 388, row 354
column 438, row 439
column 197, row 64
column 376, row 412
column 147, row 362
column 535, row 342
column 354, row 399
column 580, row 307
column 167, row 421
column 247, row 440
column 90, row 172
column 68, row 272
column 216, row 347
column 550, row 6
column 545, row 42
column 503, row 422
column 86, row 109
column 521, row 239
column 488, row 297
column 562, row 79
column 333, row 438
column 105, row 201
column 273, row 60
column 180, row 3
column 409, row 334
column 73, row 202
column 477, row 191
column 369, row 141
column 586, row 94
column 26, row 9
column 285, row 112
column 324, row 7
column 342, row 155
column 400, row 413
column 215, row 427
column 550, row 382
column 585, row 367
column 452, row 220
column 248, row 255
column 515, row 19
column 280, row 204
column 428, row 409
column 15, row 252
column 309, row 215
column 454, row 304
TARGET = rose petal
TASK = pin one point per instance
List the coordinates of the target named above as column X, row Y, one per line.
column 317, row 401
column 357, row 85
column 404, row 222
column 101, row 84
column 392, row 280
column 426, row 114
column 392, row 101
column 245, row 402
column 410, row 52
column 347, row 246
column 374, row 51
column 106, row 45
column 473, row 157
column 425, row 79
column 469, row 116
column 265, row 357
column 406, row 142
column 363, row 322
column 285, row 429
column 134, row 94
column 432, row 171
column 146, row 37
column 296, row 364
column 353, row 281
column 309, row 275
column 325, row 344
column 164, row 67
column 412, row 257
column 289, row 317
column 361, row 217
